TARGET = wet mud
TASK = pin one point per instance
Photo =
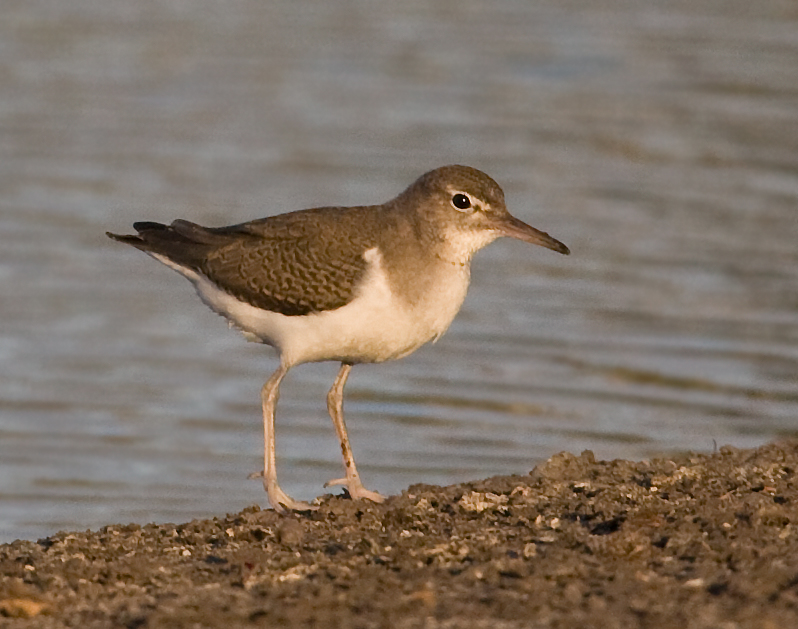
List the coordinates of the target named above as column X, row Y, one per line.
column 689, row 541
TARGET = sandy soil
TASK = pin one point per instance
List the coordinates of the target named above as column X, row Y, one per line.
column 695, row 541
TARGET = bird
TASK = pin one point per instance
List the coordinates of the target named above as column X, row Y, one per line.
column 363, row 284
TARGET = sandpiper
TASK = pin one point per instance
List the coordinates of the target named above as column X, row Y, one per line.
column 350, row 284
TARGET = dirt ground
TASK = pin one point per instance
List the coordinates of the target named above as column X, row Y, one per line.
column 693, row 541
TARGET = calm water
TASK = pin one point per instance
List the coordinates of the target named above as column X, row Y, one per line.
column 659, row 140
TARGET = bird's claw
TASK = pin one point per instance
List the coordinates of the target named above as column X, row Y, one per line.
column 280, row 501
column 356, row 489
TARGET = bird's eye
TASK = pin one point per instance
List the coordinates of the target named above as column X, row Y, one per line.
column 461, row 201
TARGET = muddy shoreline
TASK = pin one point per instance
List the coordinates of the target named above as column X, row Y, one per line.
column 691, row 541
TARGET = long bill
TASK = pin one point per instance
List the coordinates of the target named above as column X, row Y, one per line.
column 513, row 228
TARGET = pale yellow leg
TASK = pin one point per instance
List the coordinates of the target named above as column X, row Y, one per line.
column 279, row 500
column 335, row 404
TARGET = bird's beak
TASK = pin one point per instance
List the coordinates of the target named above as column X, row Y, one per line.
column 513, row 228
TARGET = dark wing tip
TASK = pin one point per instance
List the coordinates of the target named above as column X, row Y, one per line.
column 141, row 226
column 139, row 240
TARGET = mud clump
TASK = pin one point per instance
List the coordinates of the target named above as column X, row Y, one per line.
column 692, row 541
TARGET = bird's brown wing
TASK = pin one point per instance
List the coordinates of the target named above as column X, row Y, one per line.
column 293, row 264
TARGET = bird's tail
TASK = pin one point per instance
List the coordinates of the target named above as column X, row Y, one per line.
column 182, row 242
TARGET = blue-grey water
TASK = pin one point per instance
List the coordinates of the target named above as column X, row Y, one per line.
column 658, row 139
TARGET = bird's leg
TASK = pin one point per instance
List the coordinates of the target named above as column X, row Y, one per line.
column 279, row 500
column 335, row 404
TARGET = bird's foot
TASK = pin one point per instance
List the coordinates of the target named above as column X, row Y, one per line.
column 356, row 489
column 280, row 501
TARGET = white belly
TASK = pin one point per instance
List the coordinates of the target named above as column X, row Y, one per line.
column 374, row 327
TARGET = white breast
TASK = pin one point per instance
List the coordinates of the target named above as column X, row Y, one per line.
column 374, row 327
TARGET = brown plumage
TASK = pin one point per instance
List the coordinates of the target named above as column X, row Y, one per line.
column 353, row 284
column 288, row 263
